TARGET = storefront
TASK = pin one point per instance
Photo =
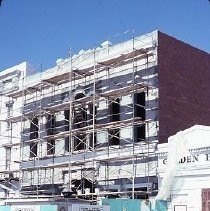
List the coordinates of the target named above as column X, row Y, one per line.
column 184, row 170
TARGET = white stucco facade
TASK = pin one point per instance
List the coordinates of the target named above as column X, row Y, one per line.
column 184, row 168
column 11, row 80
column 112, row 73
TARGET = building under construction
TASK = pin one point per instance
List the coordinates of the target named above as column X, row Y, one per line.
column 89, row 127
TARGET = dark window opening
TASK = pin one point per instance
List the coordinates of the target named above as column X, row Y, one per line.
column 139, row 133
column 205, row 199
column 64, row 95
column 80, row 118
column 115, row 110
column 114, row 134
column 79, row 95
column 93, row 142
column 114, row 137
column 139, row 111
column 9, row 110
column 66, row 115
column 50, row 126
column 66, row 125
column 141, row 193
column 92, row 118
column 82, row 184
column 9, row 126
column 139, row 107
column 33, row 149
column 80, row 121
column 34, row 129
column 67, row 147
column 79, row 142
column 51, row 147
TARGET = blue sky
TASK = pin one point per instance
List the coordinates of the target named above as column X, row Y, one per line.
column 41, row 31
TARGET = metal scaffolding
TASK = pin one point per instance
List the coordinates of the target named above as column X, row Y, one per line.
column 72, row 122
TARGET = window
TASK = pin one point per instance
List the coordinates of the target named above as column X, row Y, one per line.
column 92, row 142
column 206, row 199
column 114, row 134
column 9, row 106
column 139, row 112
column 7, row 84
column 66, row 125
column 34, row 129
column 9, row 126
column 51, row 147
column 33, row 149
column 67, row 147
column 34, row 132
column 50, row 126
column 80, row 121
column 9, row 111
column 91, row 118
column 66, row 115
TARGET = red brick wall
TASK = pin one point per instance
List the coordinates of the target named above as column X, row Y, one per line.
column 184, row 86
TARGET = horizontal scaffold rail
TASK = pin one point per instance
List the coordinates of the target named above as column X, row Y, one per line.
column 62, row 77
column 75, row 164
column 8, row 145
column 9, row 171
column 40, row 111
column 137, row 121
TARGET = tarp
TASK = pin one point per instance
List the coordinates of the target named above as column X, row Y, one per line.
column 177, row 149
column 135, row 204
column 4, row 208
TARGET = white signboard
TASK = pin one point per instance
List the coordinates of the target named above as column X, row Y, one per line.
column 79, row 207
column 25, row 208
column 195, row 159
column 180, row 207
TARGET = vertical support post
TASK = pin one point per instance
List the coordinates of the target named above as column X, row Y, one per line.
column 70, row 121
column 133, row 179
column 39, row 149
column 133, row 119
column 94, row 113
column 22, row 124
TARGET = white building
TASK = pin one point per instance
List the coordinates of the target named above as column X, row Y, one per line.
column 184, row 170
column 10, row 109
column 86, row 122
